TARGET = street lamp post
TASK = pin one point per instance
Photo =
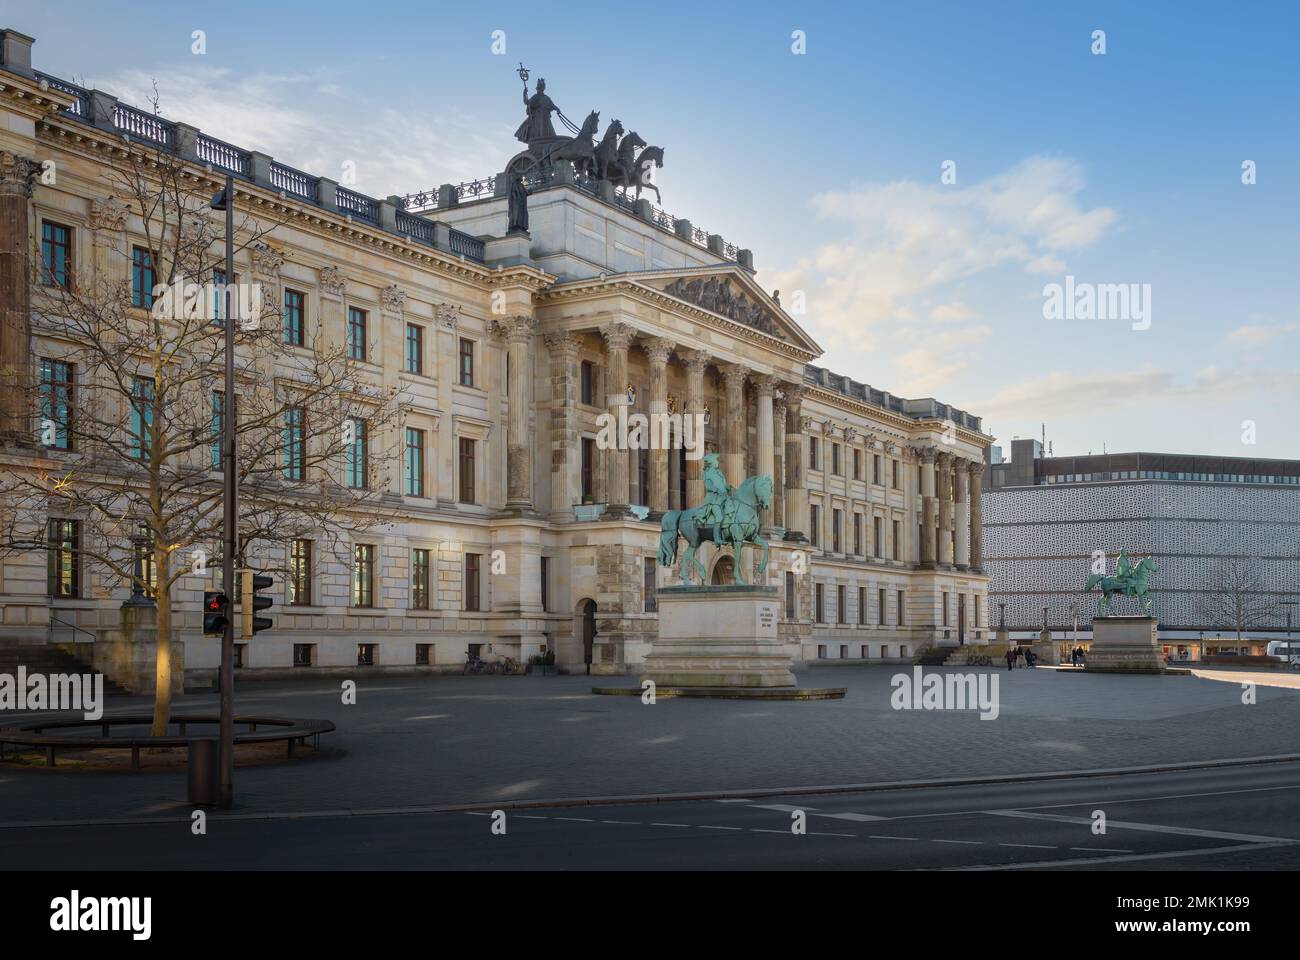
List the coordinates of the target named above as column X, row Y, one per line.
column 225, row 200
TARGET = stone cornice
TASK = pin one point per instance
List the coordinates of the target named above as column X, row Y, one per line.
column 27, row 97
column 98, row 146
column 604, row 286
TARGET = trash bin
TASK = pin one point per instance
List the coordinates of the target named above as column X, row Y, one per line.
column 203, row 772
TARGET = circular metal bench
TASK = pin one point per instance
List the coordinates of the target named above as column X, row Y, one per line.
column 32, row 733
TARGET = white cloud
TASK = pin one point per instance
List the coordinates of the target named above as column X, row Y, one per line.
column 1259, row 334
column 935, row 358
column 950, row 312
column 1046, row 264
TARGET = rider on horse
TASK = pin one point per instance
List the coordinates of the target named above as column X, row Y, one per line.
column 718, row 507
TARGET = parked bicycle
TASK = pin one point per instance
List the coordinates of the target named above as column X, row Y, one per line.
column 474, row 664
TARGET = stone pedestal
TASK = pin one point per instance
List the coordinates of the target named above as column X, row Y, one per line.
column 1125, row 645
column 1046, row 650
column 718, row 636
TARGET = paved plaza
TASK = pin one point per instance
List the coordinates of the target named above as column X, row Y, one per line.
column 416, row 741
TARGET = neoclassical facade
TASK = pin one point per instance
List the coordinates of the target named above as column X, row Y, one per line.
column 525, row 532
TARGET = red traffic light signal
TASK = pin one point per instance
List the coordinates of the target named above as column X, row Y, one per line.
column 215, row 608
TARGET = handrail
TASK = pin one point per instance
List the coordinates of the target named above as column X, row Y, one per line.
column 54, row 620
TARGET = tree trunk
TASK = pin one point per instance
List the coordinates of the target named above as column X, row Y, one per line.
column 162, row 703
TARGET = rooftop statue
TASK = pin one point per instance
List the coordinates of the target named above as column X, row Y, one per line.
column 1129, row 579
column 727, row 516
column 537, row 126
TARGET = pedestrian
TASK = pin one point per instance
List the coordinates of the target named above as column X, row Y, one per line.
column 1011, row 657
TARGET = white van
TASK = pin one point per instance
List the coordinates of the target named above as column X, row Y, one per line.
column 1288, row 653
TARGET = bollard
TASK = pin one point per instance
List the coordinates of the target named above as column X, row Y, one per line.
column 202, row 765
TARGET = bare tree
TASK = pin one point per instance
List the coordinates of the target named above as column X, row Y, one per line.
column 1234, row 596
column 132, row 451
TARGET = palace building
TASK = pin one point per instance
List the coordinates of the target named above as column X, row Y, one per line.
column 507, row 315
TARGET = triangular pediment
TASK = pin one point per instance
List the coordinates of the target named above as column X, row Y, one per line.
column 731, row 293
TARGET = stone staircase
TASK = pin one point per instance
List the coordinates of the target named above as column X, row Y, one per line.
column 47, row 659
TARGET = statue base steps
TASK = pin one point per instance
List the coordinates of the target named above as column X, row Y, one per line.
column 1125, row 645
column 718, row 636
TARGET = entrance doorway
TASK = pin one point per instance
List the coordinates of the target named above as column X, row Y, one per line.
column 587, row 630
column 961, row 619
column 723, row 571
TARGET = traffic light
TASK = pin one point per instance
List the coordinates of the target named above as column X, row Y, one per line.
column 215, row 608
column 250, row 602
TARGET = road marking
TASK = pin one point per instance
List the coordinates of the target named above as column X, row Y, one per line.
column 876, row 837
column 1148, row 827
column 1087, row 861
column 733, row 800
column 1030, row 846
column 854, row 817
column 670, row 824
column 761, row 830
column 782, row 808
column 575, row 819
column 632, row 823
column 529, row 816
column 1101, row 850
column 977, row 843
column 705, row 826
column 853, row 835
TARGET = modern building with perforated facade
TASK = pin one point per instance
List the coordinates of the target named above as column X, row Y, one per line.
column 1045, row 516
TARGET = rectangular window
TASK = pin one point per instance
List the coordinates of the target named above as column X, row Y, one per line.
column 219, row 296
column 466, row 493
column 295, row 444
column 841, row 604
column 894, row 465
column 56, row 402
column 880, row 601
column 304, row 654
column 898, row 533
column 62, row 537
column 857, row 464
column 356, row 333
column 819, row 602
column 546, row 583
column 857, row 534
column 414, row 462
column 836, row 517
column 878, row 527
column 835, row 459
column 56, row 255
column 862, row 605
column 651, row 603
column 975, row 608
column 466, row 362
column 588, row 469
column 587, row 383
column 142, row 278
column 899, row 600
column 218, row 427
column 294, row 329
column 814, row 521
column 812, row 453
column 240, row 649
column 422, row 653
column 142, row 396
column 366, row 654
column 363, row 575
column 420, row 579
column 300, row 573
column 358, row 457
column 414, row 348
column 877, row 476
column 791, row 600
column 472, row 576
column 945, row 609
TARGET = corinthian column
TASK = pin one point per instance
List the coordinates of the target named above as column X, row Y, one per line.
column 659, row 349
column 929, row 508
column 963, row 515
column 17, row 174
column 518, row 334
column 765, row 387
column 944, row 468
column 566, row 455
column 796, row 493
column 695, row 361
column 976, row 471
column 618, row 337
column 778, row 466
column 733, row 460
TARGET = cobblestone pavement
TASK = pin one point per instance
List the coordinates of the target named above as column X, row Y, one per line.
column 417, row 741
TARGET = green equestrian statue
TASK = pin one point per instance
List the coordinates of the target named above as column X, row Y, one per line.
column 727, row 516
column 1130, row 579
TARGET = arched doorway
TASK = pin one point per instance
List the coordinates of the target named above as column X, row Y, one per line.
column 724, row 571
column 586, row 629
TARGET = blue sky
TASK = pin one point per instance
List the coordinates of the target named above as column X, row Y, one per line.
column 1119, row 168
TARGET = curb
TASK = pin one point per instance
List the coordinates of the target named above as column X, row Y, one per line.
column 629, row 799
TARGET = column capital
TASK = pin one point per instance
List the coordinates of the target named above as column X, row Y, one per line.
column 392, row 299
column 618, row 335
column 561, row 343
column 926, row 455
column 734, row 374
column 975, row 468
column 516, row 329
column 108, row 214
column 18, row 174
column 793, row 393
column 694, row 360
column 943, row 458
column 778, row 409
column 447, row 315
column 765, row 384
column 659, row 349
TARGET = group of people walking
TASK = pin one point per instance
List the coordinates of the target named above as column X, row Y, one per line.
column 1076, row 657
column 1020, row 657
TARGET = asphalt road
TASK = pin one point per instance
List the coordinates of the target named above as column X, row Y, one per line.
column 1231, row 818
